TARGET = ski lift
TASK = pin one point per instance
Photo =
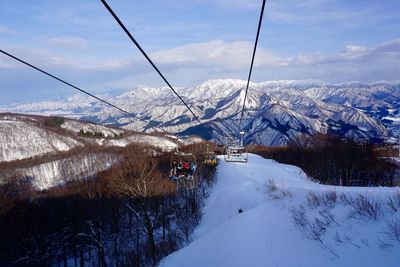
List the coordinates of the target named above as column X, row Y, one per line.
column 236, row 152
column 183, row 168
column 220, row 149
column 210, row 157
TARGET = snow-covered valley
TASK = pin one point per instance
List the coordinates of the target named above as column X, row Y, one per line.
column 268, row 214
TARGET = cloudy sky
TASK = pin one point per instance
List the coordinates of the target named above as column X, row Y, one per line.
column 192, row 41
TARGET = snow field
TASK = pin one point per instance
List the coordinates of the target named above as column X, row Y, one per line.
column 329, row 231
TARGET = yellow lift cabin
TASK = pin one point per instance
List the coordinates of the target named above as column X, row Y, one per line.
column 210, row 157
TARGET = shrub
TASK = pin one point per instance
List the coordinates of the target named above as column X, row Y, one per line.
column 330, row 199
column 271, row 185
column 275, row 192
column 313, row 200
column 326, row 199
column 316, row 228
column 313, row 230
column 394, row 230
column 365, row 207
column 394, row 202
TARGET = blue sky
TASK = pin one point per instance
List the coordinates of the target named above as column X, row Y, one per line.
column 193, row 41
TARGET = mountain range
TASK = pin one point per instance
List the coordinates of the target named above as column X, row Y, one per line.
column 276, row 112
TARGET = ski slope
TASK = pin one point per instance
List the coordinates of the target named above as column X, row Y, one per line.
column 265, row 233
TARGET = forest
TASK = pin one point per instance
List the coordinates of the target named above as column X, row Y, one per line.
column 332, row 160
column 129, row 215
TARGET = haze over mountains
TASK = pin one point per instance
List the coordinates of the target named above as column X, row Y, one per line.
column 276, row 111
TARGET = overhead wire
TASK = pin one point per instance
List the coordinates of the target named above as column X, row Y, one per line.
column 153, row 65
column 75, row 87
column 252, row 62
column 147, row 57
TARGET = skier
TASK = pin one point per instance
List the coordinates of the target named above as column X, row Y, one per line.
column 186, row 167
column 192, row 168
column 180, row 168
column 173, row 170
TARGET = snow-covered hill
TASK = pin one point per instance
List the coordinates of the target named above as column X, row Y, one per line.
column 268, row 214
column 277, row 111
column 21, row 138
column 77, row 126
column 54, row 173
column 53, row 155
column 24, row 136
column 156, row 141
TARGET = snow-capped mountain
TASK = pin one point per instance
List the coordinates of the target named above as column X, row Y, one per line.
column 276, row 111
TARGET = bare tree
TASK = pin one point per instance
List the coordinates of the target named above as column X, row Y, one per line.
column 139, row 179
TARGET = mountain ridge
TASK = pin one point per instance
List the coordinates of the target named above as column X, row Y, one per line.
column 276, row 111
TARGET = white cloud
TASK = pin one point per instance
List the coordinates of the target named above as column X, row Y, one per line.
column 217, row 54
column 220, row 59
column 236, row 55
column 5, row 64
column 47, row 59
column 388, row 52
column 217, row 57
column 98, row 65
column 5, row 29
column 68, row 41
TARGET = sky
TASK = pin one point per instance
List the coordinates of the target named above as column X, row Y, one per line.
column 192, row 41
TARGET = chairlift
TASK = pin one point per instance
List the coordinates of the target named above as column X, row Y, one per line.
column 220, row 149
column 182, row 168
column 210, row 157
column 236, row 151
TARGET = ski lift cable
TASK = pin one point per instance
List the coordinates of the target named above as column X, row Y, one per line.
column 252, row 62
column 75, row 87
column 147, row 57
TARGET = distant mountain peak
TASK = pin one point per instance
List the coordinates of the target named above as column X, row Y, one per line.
column 275, row 111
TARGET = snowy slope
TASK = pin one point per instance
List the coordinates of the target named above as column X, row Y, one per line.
column 265, row 234
column 58, row 172
column 24, row 136
column 77, row 126
column 156, row 141
column 23, row 139
column 27, row 137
